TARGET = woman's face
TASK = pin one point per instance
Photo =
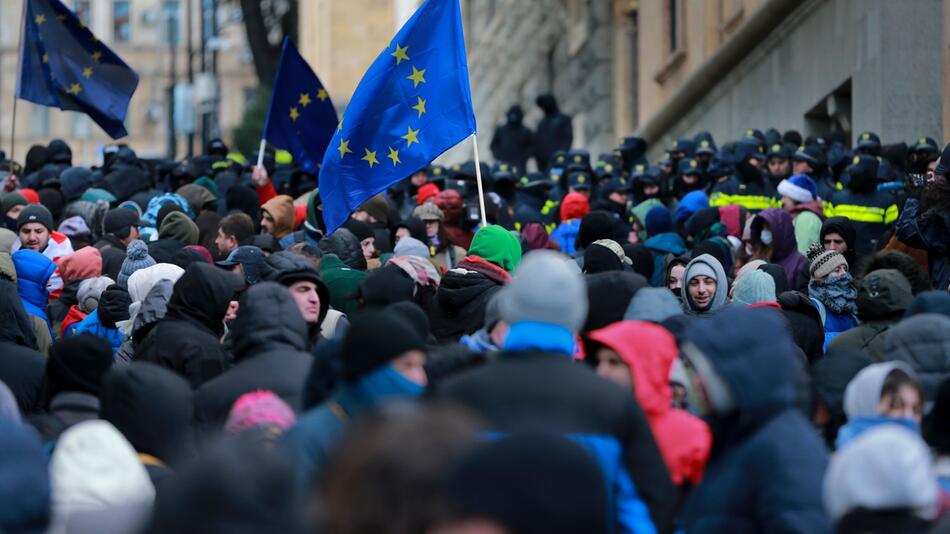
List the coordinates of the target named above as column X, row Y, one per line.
column 676, row 277
column 401, row 233
column 904, row 403
column 839, row 270
column 432, row 228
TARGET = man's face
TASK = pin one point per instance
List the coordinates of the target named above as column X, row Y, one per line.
column 833, row 241
column 307, row 299
column 267, row 222
column 369, row 247
column 34, row 236
column 779, row 167
column 802, row 167
column 225, row 243
column 702, row 289
column 432, row 228
column 14, row 212
column 618, row 198
column 612, row 367
column 651, row 190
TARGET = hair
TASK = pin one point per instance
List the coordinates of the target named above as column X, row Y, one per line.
column 936, row 194
column 894, row 259
column 308, row 251
column 898, row 378
column 238, row 225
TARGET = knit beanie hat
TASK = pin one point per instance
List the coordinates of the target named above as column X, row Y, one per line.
column 78, row 363
column 89, row 292
column 178, row 226
column 497, row 245
column 658, row 220
column 374, row 339
column 410, row 246
column 11, row 199
column 260, row 411
column 80, row 265
column 545, row 289
column 35, row 213
column 753, row 288
column 377, row 208
column 799, row 188
column 428, row 212
column 823, row 262
column 136, row 257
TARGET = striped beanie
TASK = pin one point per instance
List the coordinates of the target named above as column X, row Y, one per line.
column 823, row 262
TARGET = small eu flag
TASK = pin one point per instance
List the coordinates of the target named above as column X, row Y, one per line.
column 413, row 104
column 301, row 118
column 63, row 65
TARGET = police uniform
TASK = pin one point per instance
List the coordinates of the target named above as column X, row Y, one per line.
column 755, row 193
column 871, row 211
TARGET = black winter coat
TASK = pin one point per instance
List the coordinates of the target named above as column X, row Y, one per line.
column 113, row 254
column 21, row 367
column 459, row 306
column 547, row 392
column 923, row 341
column 804, row 322
column 269, row 338
column 187, row 340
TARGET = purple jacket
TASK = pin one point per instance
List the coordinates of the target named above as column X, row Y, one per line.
column 785, row 251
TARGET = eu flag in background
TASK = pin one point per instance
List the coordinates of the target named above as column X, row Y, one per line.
column 301, row 118
column 64, row 65
column 413, row 104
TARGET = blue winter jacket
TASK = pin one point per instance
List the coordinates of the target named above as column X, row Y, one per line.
column 33, row 271
column 566, row 234
column 92, row 325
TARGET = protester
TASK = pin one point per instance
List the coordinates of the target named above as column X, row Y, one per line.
column 882, row 298
column 309, row 293
column 234, row 230
column 121, row 229
column 881, row 393
column 923, row 342
column 832, row 291
column 705, row 286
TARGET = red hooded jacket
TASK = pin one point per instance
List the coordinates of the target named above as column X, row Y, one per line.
column 648, row 350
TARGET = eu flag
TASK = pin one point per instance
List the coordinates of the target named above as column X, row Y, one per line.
column 301, row 118
column 63, row 65
column 413, row 104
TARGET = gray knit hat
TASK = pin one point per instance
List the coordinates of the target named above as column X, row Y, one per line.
column 545, row 289
column 136, row 257
column 753, row 288
column 823, row 262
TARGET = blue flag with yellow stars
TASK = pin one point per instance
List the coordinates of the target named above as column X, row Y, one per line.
column 63, row 65
column 413, row 104
column 301, row 118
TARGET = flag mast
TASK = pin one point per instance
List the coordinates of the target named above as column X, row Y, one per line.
column 19, row 59
column 478, row 180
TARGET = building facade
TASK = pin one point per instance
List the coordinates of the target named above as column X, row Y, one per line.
column 146, row 34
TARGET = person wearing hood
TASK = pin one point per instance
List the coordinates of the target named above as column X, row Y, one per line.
column 639, row 355
column 773, row 240
column 81, row 265
column 882, row 394
column 364, row 232
column 33, row 273
column 609, row 294
column 574, row 208
column 453, row 206
column 71, row 384
column 87, row 300
column 21, row 367
column 540, row 342
column 36, row 232
column 882, row 298
column 270, row 337
column 662, row 241
column 121, row 228
column 11, row 204
column 743, row 365
column 113, row 308
column 278, row 216
column 800, row 199
column 883, row 482
column 98, row 480
column 513, row 141
column 830, row 377
column 309, row 292
column 705, row 287
column 870, row 211
column 923, row 342
column 654, row 304
column 459, row 306
column 383, row 359
column 188, row 339
column 554, row 132
column 176, row 231
column 903, row 263
column 837, row 233
column 832, row 291
column 24, row 483
column 152, row 408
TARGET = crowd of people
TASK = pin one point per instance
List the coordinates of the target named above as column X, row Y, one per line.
column 752, row 337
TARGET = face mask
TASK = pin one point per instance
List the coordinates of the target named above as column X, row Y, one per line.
column 766, row 237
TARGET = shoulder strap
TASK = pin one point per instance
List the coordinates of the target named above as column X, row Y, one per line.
column 821, row 310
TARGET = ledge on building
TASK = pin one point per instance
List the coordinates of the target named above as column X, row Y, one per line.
column 672, row 64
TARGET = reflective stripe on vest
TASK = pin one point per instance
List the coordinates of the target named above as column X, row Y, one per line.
column 868, row 214
column 749, row 202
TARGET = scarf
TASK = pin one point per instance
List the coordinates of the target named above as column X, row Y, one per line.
column 534, row 335
column 837, row 293
column 384, row 384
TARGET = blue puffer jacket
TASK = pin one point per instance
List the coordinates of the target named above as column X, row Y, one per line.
column 661, row 245
column 92, row 325
column 33, row 271
column 565, row 234
column 767, row 463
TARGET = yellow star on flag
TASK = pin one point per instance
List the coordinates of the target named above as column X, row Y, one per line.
column 294, row 114
column 322, row 94
column 344, row 148
column 45, row 58
column 400, row 54
column 420, row 106
column 340, row 127
column 417, row 77
column 74, row 89
column 61, row 18
column 87, row 72
column 304, row 99
column 394, row 155
column 97, row 55
column 412, row 136
column 370, row 157
column 40, row 19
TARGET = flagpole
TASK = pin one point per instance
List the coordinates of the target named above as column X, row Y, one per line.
column 260, row 152
column 478, row 179
column 19, row 57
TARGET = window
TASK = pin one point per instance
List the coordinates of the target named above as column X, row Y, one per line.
column 171, row 22
column 80, row 126
column 121, row 21
column 39, row 121
column 676, row 27
column 83, row 11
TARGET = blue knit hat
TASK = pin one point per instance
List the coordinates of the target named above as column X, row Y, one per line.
column 136, row 257
column 754, row 287
column 658, row 221
column 799, row 188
